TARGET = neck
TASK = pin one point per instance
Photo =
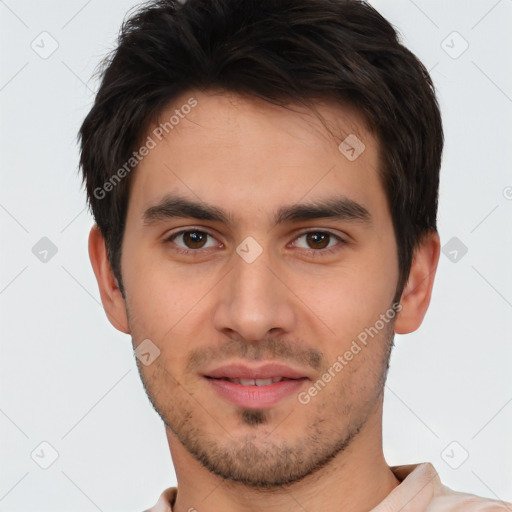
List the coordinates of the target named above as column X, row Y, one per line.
column 356, row 480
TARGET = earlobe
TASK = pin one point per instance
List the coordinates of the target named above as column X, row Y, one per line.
column 418, row 290
column 111, row 297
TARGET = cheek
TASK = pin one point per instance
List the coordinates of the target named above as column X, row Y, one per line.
column 378, row 275
column 349, row 395
column 159, row 295
column 351, row 299
column 154, row 303
column 168, row 307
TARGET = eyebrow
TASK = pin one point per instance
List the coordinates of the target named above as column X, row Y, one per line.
column 339, row 208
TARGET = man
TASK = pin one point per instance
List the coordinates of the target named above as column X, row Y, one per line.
column 264, row 179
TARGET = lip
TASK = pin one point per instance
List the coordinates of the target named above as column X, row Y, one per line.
column 255, row 397
column 264, row 371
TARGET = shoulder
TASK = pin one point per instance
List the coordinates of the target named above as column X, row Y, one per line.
column 452, row 501
column 421, row 489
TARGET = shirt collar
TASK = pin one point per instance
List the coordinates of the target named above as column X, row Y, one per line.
column 418, row 485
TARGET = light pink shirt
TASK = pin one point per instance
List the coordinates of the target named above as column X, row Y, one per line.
column 420, row 490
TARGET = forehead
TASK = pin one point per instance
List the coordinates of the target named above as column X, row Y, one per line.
column 218, row 115
column 221, row 147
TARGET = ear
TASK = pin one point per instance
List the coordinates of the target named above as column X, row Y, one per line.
column 111, row 297
column 418, row 290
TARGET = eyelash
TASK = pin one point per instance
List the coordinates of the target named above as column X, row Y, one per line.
column 313, row 252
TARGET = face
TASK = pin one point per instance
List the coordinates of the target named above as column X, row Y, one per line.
column 256, row 251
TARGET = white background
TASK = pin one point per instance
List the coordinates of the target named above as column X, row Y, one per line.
column 69, row 378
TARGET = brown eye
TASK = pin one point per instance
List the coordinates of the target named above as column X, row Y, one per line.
column 194, row 239
column 318, row 240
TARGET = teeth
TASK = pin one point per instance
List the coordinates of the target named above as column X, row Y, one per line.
column 256, row 382
column 263, row 382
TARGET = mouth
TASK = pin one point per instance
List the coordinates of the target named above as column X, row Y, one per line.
column 255, row 387
column 254, row 382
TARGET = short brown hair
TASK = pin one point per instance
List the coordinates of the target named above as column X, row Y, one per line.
column 283, row 51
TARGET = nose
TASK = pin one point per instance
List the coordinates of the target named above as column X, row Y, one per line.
column 253, row 300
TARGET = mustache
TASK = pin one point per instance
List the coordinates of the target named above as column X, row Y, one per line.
column 267, row 349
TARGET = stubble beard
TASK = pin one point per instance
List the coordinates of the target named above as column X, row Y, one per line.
column 257, row 460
